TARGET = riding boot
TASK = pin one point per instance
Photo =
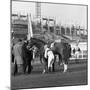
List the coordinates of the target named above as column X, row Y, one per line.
column 45, row 66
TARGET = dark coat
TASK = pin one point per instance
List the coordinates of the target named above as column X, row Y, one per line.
column 26, row 54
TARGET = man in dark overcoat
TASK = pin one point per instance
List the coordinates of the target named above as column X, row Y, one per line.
column 27, row 57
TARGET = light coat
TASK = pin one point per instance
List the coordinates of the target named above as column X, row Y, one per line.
column 18, row 54
column 49, row 54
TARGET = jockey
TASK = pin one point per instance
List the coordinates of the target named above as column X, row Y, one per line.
column 50, row 56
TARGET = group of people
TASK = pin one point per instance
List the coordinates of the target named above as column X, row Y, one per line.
column 21, row 57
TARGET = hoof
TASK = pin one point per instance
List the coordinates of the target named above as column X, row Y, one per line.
column 65, row 71
column 44, row 71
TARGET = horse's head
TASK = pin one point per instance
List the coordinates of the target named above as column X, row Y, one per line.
column 38, row 43
column 30, row 43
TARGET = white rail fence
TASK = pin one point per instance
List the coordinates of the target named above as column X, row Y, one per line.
column 82, row 55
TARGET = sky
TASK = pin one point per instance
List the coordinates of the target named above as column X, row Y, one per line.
column 63, row 13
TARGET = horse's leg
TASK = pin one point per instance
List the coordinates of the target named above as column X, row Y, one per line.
column 45, row 64
column 50, row 63
column 41, row 57
column 60, row 62
column 42, row 63
column 65, row 66
column 53, row 64
column 53, row 67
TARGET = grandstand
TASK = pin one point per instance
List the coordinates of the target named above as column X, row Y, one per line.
column 20, row 28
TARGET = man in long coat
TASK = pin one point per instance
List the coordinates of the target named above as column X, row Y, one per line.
column 27, row 56
column 18, row 57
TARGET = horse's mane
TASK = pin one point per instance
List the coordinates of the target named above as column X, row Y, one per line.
column 38, row 40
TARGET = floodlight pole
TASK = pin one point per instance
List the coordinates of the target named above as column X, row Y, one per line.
column 30, row 31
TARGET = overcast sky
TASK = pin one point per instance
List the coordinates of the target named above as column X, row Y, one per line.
column 64, row 14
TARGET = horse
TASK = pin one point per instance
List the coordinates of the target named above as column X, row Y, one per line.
column 39, row 44
column 63, row 50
